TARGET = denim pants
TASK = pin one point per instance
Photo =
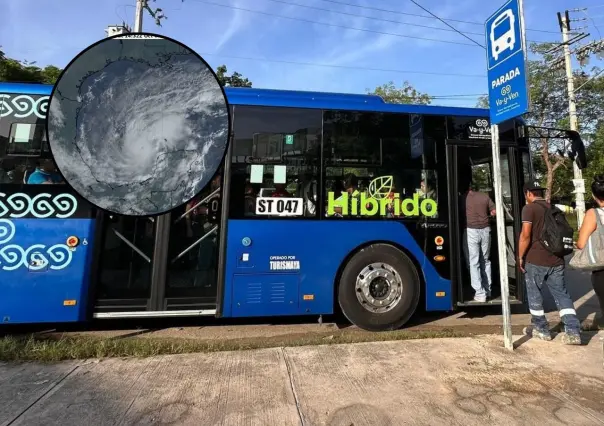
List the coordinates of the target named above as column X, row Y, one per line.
column 478, row 250
column 536, row 277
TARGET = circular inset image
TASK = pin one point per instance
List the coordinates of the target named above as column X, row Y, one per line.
column 138, row 126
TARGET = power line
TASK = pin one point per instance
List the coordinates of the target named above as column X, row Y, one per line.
column 372, row 18
column 333, row 25
column 592, row 21
column 369, row 17
column 314, row 64
column 446, row 23
column 377, row 9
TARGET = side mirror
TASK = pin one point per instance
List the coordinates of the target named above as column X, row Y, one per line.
column 577, row 149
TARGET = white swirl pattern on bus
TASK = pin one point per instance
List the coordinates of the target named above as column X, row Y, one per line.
column 35, row 258
column 41, row 206
column 23, row 106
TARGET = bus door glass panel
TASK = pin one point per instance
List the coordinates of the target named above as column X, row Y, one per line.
column 126, row 258
column 193, row 244
column 527, row 167
column 506, row 191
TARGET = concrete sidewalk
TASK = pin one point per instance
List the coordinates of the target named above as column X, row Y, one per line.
column 469, row 381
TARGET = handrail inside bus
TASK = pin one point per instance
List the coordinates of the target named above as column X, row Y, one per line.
column 131, row 245
column 217, row 190
column 206, row 235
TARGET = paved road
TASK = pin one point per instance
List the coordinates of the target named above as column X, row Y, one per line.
column 428, row 382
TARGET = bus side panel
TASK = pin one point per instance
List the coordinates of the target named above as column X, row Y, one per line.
column 286, row 267
column 41, row 278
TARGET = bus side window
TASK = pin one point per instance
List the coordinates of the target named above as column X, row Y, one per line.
column 275, row 157
column 389, row 153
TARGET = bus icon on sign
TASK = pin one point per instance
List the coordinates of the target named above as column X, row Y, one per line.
column 502, row 33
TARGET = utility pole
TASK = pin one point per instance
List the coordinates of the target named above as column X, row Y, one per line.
column 578, row 181
column 141, row 6
column 138, row 17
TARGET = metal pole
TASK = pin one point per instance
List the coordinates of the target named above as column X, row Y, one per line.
column 572, row 111
column 501, row 241
column 138, row 17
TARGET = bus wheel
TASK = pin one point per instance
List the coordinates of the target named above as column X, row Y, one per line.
column 379, row 288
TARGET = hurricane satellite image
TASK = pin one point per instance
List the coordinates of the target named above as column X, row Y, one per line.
column 138, row 126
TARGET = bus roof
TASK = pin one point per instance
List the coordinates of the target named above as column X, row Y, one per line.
column 295, row 99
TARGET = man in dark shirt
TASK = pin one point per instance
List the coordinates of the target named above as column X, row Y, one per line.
column 477, row 207
column 540, row 267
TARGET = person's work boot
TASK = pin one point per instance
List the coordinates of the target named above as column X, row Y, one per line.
column 531, row 331
column 571, row 339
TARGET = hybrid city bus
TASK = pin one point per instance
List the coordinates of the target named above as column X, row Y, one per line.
column 325, row 202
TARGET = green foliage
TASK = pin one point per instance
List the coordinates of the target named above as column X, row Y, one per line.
column 234, row 80
column 26, row 72
column 405, row 94
column 13, row 70
column 595, row 157
column 483, row 102
column 549, row 108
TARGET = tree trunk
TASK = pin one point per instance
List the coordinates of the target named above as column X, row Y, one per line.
column 549, row 183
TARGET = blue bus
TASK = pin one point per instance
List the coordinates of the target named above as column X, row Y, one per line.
column 325, row 203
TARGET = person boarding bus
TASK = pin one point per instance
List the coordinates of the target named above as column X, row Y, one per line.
column 542, row 267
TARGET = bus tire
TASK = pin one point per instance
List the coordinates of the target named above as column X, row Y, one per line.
column 379, row 288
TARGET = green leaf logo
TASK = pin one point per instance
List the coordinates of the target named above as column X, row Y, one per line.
column 380, row 187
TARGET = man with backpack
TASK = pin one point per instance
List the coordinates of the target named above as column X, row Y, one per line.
column 545, row 239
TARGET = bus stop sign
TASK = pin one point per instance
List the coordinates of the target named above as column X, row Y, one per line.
column 506, row 63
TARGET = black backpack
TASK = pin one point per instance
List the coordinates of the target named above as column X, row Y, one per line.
column 556, row 235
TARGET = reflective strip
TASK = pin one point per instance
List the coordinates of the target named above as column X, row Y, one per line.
column 590, row 251
column 568, row 311
column 537, row 313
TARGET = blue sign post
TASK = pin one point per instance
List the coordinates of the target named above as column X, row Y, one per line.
column 506, row 63
column 508, row 98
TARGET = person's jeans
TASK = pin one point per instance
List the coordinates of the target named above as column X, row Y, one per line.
column 536, row 277
column 478, row 252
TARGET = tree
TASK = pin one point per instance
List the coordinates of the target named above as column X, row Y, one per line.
column 234, row 80
column 406, row 94
column 13, row 70
column 595, row 158
column 483, row 102
column 549, row 108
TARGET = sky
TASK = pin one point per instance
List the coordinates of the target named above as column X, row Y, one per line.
column 327, row 46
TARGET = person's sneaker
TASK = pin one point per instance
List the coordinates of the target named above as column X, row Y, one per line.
column 537, row 334
column 480, row 299
column 571, row 339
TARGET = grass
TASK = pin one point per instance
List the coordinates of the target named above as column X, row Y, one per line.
column 59, row 348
